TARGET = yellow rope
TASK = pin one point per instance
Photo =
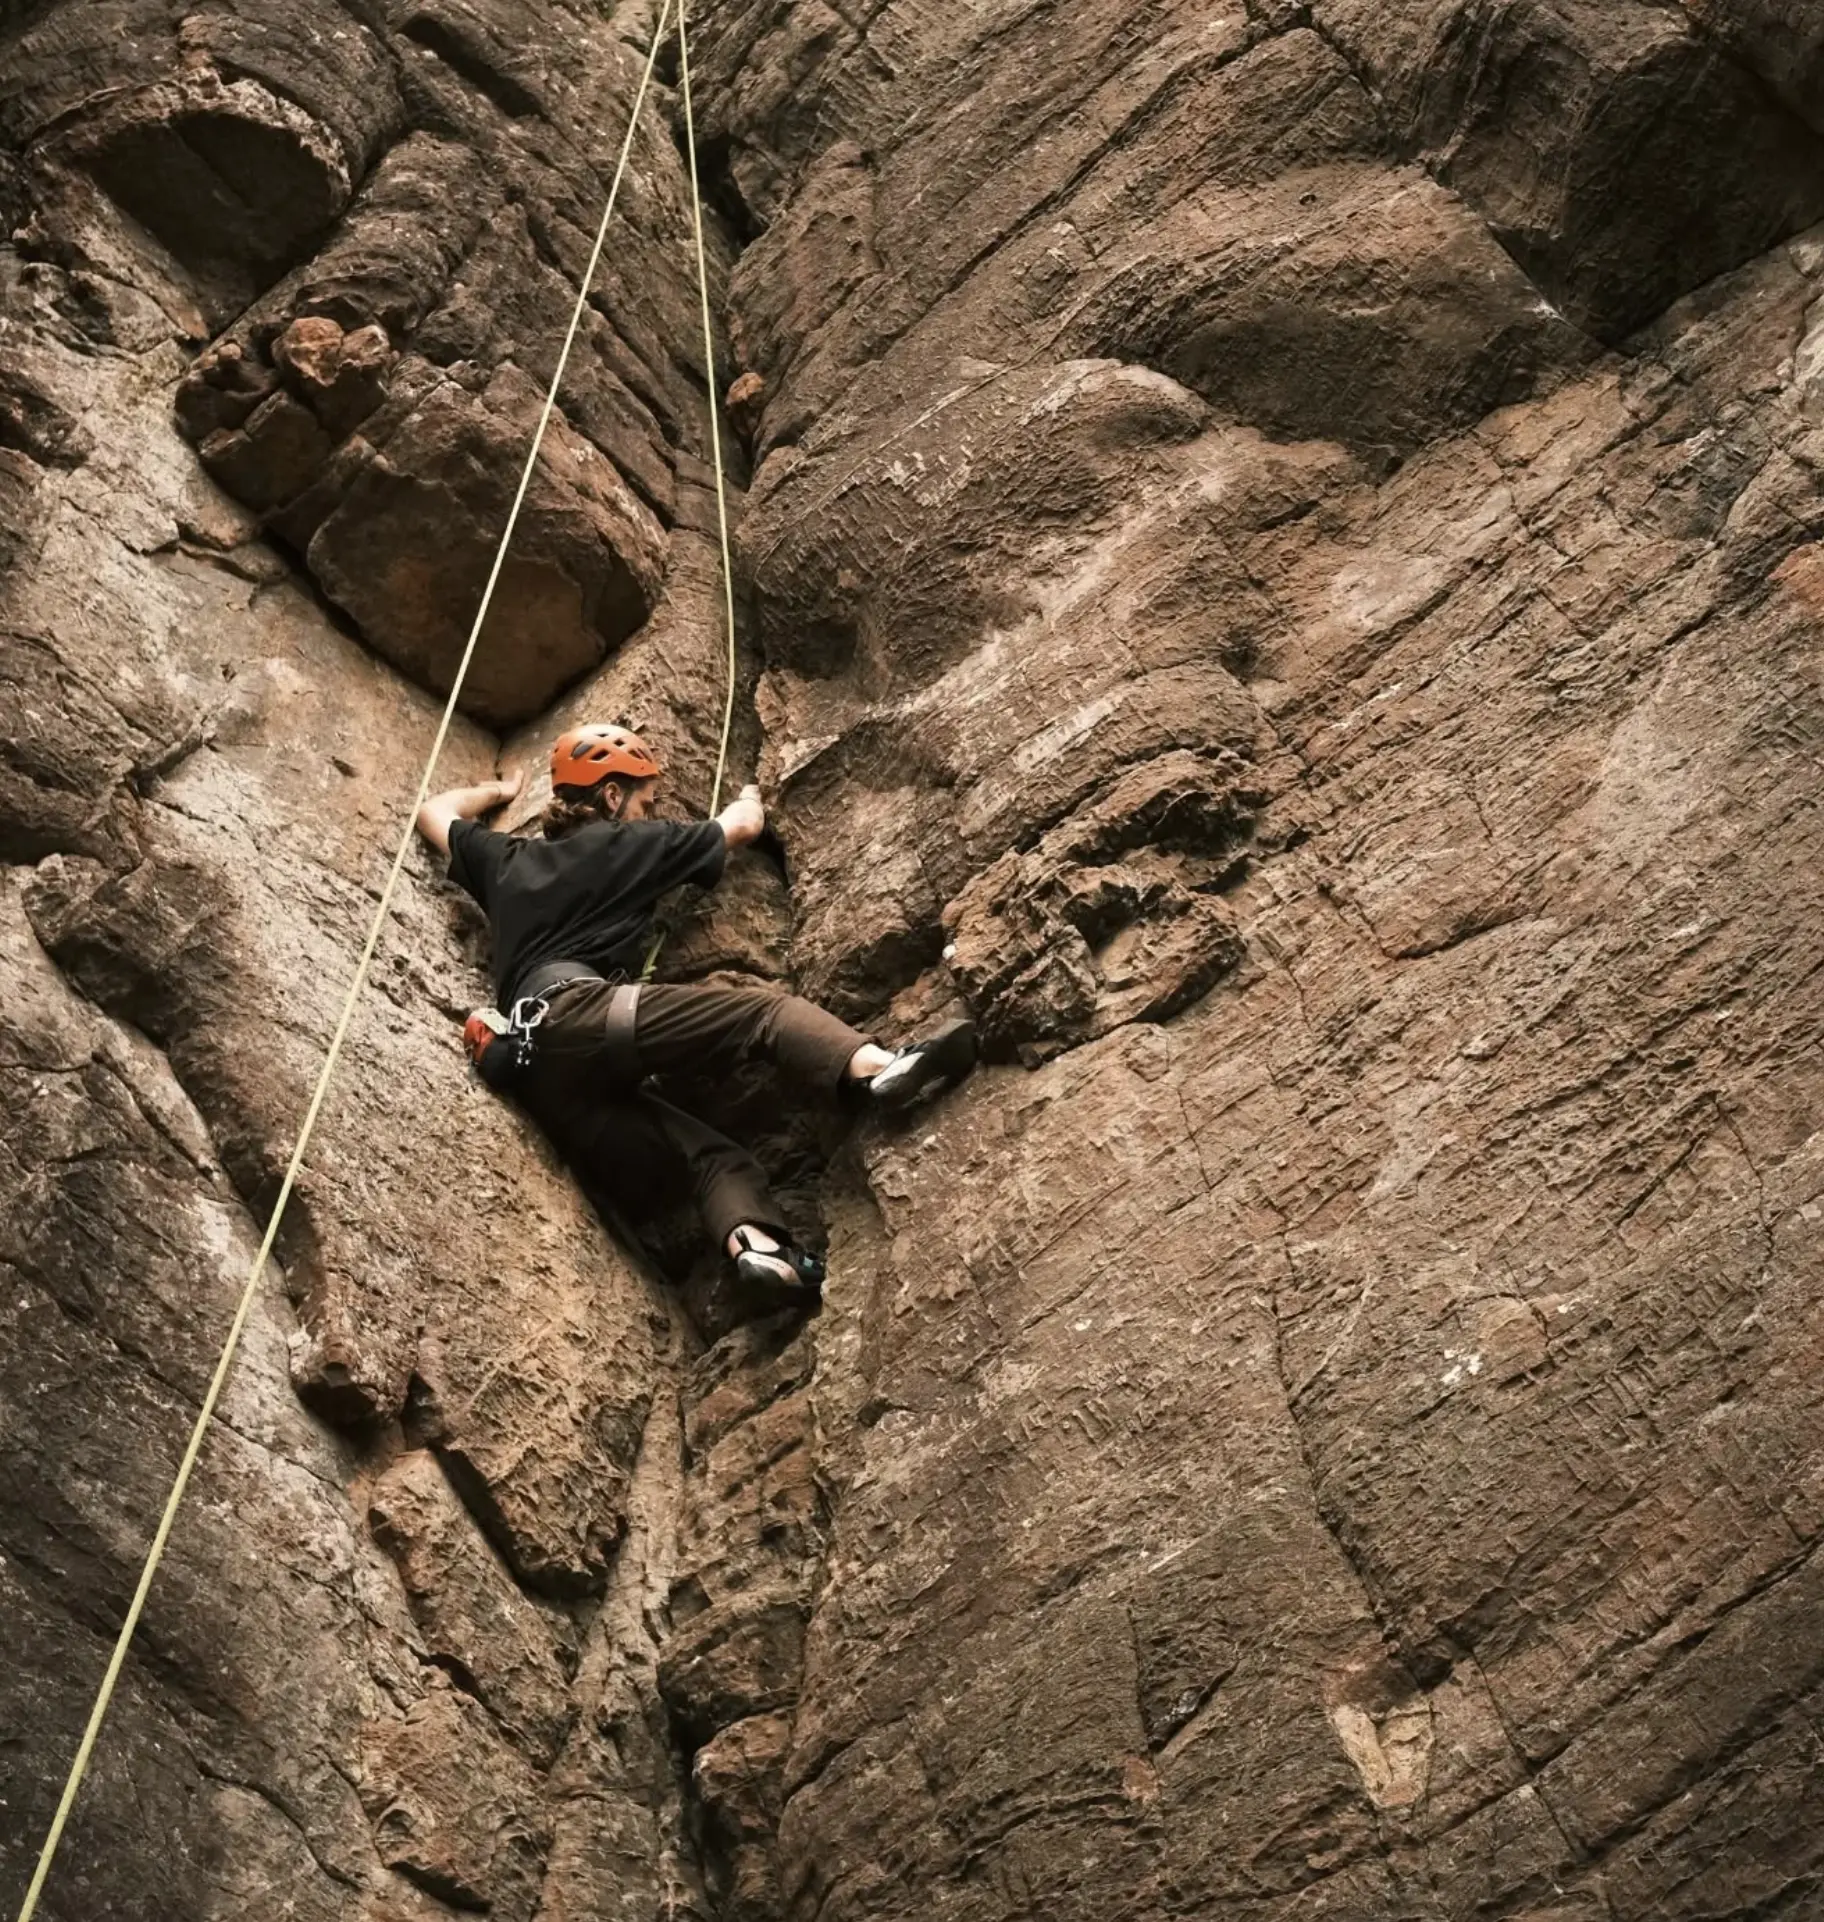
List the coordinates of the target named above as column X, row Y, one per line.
column 657, row 944
column 80, row 1766
column 715, row 403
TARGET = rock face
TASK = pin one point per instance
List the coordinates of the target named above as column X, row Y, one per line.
column 1283, row 570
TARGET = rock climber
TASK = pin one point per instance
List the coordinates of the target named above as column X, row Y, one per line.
column 571, row 914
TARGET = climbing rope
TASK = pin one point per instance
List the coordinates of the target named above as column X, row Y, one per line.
column 715, row 409
column 79, row 1767
column 657, row 944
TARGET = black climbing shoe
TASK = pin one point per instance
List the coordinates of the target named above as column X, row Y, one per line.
column 937, row 1062
column 784, row 1274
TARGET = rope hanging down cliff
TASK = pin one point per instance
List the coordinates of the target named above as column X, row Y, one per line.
column 383, row 908
column 715, row 424
column 715, row 442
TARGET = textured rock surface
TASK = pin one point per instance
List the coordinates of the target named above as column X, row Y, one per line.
column 1285, row 563
column 1280, row 1477
column 204, row 773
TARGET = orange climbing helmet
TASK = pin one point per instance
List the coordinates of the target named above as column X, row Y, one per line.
column 586, row 756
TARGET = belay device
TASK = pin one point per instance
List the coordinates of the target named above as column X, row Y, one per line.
column 499, row 1046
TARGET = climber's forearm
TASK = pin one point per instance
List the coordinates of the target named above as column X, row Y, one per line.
column 442, row 811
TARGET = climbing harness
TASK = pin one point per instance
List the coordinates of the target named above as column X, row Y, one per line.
column 383, row 908
column 501, row 1047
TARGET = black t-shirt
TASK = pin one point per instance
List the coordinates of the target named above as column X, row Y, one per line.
column 586, row 897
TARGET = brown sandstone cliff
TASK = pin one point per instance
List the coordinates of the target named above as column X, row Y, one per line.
column 1283, row 567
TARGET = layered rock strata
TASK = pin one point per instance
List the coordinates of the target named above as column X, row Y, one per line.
column 1285, row 565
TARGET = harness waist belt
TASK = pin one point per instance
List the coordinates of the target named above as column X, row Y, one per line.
column 552, row 975
column 620, row 1024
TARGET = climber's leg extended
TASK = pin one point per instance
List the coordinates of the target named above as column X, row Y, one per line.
column 705, row 1028
column 710, row 1028
column 715, row 1028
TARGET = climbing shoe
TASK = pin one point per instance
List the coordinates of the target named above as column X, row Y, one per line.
column 937, row 1062
column 784, row 1274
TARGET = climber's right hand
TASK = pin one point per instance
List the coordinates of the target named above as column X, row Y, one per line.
column 744, row 819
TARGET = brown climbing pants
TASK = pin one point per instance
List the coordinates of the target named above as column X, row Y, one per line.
column 642, row 1153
